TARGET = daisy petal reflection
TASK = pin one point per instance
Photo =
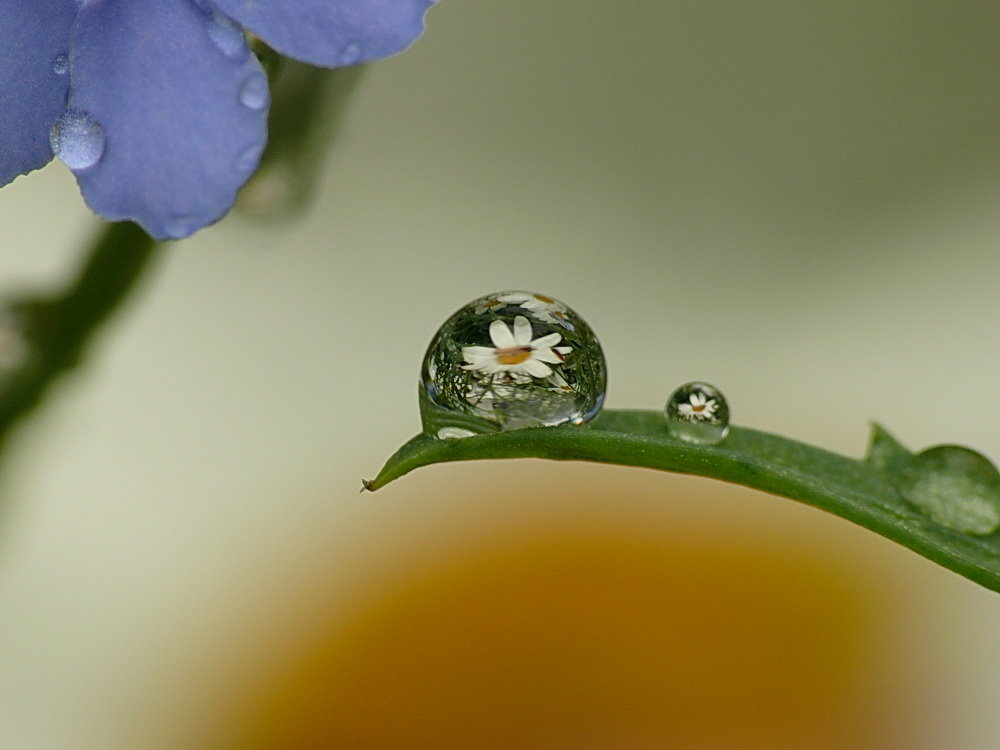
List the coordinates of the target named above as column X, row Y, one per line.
column 514, row 351
column 544, row 308
column 698, row 406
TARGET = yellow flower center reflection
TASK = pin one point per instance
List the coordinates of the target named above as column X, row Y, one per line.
column 514, row 356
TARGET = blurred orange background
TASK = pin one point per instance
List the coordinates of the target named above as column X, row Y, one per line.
column 527, row 604
column 582, row 619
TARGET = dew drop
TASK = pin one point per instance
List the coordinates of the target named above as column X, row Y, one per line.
column 254, row 93
column 508, row 361
column 228, row 37
column 181, row 225
column 350, row 54
column 248, row 158
column 60, row 65
column 955, row 486
column 77, row 139
column 697, row 413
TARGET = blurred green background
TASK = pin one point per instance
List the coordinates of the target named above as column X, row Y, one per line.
column 794, row 201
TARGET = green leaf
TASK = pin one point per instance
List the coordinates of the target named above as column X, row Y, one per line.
column 860, row 490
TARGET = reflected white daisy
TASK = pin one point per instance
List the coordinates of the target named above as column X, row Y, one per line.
column 490, row 304
column 544, row 308
column 514, row 352
column 698, row 406
column 558, row 383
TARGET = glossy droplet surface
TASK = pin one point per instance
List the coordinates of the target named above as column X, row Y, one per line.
column 698, row 413
column 77, row 139
column 955, row 486
column 60, row 65
column 512, row 360
column 228, row 37
column 254, row 92
column 181, row 225
column 350, row 54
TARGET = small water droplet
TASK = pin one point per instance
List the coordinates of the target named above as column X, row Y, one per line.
column 228, row 37
column 698, row 413
column 956, row 487
column 350, row 54
column 60, row 65
column 248, row 158
column 181, row 225
column 77, row 139
column 254, row 93
column 504, row 361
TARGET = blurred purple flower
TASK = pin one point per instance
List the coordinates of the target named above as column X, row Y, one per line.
column 158, row 106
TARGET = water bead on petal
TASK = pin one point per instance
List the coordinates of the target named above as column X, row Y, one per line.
column 173, row 87
column 331, row 33
column 77, row 139
column 176, row 150
column 350, row 54
column 505, row 366
column 227, row 36
column 254, row 93
column 34, row 39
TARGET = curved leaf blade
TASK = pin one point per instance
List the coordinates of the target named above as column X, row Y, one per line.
column 860, row 490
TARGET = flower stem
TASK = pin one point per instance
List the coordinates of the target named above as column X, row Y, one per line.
column 57, row 328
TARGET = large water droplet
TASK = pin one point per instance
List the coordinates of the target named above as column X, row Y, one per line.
column 698, row 413
column 60, row 65
column 228, row 37
column 350, row 54
column 956, row 487
column 77, row 139
column 512, row 360
column 254, row 93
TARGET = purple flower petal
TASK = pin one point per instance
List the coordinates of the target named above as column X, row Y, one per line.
column 182, row 107
column 332, row 33
column 34, row 40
